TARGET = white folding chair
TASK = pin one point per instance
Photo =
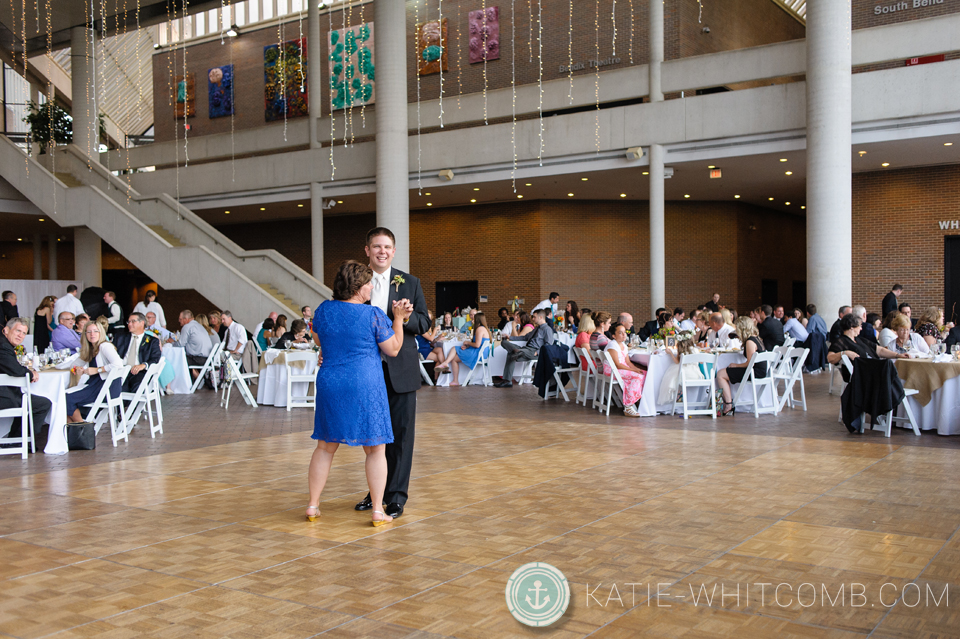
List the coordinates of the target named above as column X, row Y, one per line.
column 708, row 407
column 613, row 383
column 24, row 412
column 749, row 379
column 560, row 389
column 423, row 371
column 790, row 372
column 586, row 376
column 137, row 401
column 106, row 408
column 256, row 347
column 526, row 371
column 834, row 371
column 296, row 375
column 154, row 392
column 209, row 368
column 887, row 420
column 846, row 363
column 484, row 365
column 600, row 387
column 788, row 341
column 238, row 379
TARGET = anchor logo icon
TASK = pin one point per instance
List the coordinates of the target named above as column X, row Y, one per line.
column 537, row 590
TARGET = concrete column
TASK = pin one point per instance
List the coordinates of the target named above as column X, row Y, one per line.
column 37, row 257
column 657, row 235
column 86, row 257
column 52, row 258
column 393, row 199
column 829, row 190
column 84, row 110
column 314, row 79
column 656, row 50
column 316, row 230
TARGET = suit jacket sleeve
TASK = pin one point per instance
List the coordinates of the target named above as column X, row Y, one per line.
column 150, row 351
column 9, row 364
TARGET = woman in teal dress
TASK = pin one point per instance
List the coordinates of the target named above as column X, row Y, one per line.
column 352, row 406
column 469, row 352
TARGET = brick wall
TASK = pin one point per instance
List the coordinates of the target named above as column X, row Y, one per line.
column 896, row 233
column 16, row 260
column 864, row 15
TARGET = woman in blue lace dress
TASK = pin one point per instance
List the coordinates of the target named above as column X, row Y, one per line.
column 352, row 406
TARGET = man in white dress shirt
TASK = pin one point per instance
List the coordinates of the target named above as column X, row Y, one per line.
column 115, row 317
column 719, row 333
column 68, row 303
column 196, row 342
column 549, row 304
column 236, row 335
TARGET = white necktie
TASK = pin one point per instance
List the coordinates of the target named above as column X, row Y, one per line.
column 132, row 353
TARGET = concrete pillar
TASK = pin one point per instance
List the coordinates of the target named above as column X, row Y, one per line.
column 657, row 234
column 52, row 258
column 656, row 50
column 37, row 257
column 829, row 189
column 314, row 79
column 316, row 230
column 393, row 200
column 84, row 109
column 86, row 257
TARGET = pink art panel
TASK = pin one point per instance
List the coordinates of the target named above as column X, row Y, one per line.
column 484, row 34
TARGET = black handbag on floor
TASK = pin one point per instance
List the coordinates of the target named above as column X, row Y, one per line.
column 81, row 436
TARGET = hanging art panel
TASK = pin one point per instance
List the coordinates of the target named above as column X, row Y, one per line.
column 352, row 66
column 431, row 47
column 285, row 80
column 220, row 91
column 484, row 34
column 186, row 95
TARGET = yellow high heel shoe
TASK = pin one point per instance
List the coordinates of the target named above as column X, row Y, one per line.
column 380, row 522
column 316, row 509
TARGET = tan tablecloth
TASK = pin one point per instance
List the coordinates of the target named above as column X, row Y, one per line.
column 925, row 376
column 279, row 358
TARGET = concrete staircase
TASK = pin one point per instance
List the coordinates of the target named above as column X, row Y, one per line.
column 165, row 240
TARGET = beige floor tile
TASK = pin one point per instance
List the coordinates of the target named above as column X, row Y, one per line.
column 49, row 510
column 155, row 489
column 935, row 522
column 346, row 479
column 46, row 602
column 169, row 463
column 18, row 559
column 62, row 482
column 211, row 613
column 116, row 532
column 946, row 565
column 217, row 555
column 829, row 447
column 369, row 629
column 243, row 473
column 11, row 493
column 929, row 615
column 232, row 504
column 843, row 548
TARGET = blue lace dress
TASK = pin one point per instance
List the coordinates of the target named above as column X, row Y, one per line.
column 352, row 403
column 469, row 356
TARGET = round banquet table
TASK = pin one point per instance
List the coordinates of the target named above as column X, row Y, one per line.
column 52, row 385
column 176, row 370
column 272, row 384
column 941, row 412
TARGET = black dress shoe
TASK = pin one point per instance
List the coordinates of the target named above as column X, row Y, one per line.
column 394, row 510
column 504, row 385
column 366, row 504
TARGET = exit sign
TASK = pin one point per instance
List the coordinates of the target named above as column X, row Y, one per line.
column 925, row 60
column 715, row 173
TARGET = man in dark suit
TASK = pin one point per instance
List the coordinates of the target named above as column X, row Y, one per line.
column 13, row 334
column 9, row 306
column 714, row 304
column 402, row 373
column 138, row 349
column 889, row 303
column 770, row 329
column 835, row 331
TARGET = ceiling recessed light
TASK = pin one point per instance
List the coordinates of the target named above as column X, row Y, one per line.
column 803, row 208
column 646, row 172
column 789, row 173
column 787, row 203
column 339, row 201
column 429, row 203
column 623, row 195
column 862, row 153
column 711, row 166
column 736, row 197
column 686, row 196
column 783, row 159
column 476, row 188
column 583, row 179
column 473, row 200
column 263, row 208
column 770, row 198
column 42, row 220
column 528, row 184
column 569, row 194
column 519, row 197
column 299, row 206
column 948, row 144
column 226, row 212
column 885, row 164
column 19, row 239
column 426, row 194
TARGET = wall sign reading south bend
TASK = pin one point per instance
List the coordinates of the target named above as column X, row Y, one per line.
column 904, row 5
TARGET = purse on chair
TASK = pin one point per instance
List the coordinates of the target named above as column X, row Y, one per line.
column 81, row 436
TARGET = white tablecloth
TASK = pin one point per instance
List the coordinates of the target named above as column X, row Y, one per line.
column 52, row 385
column 941, row 414
column 27, row 343
column 272, row 385
column 177, row 360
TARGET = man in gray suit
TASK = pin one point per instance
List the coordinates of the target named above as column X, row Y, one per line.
column 541, row 335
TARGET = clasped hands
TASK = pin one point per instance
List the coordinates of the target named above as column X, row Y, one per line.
column 402, row 309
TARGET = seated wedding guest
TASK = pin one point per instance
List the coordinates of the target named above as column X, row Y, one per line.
column 729, row 317
column 81, row 322
column 779, row 314
column 798, row 313
column 598, row 339
column 425, row 341
column 678, row 316
column 468, row 325
column 523, row 325
column 204, row 321
column 632, row 375
column 272, row 316
column 626, row 320
column 296, row 335
column 447, row 324
column 670, row 382
column 541, row 335
column 953, row 337
column 875, row 321
column 64, row 337
column 930, row 325
column 236, row 335
column 149, row 304
column 584, row 312
column 587, row 328
column 794, row 327
column 866, row 329
column 610, row 331
column 137, row 349
column 504, row 314
column 815, row 323
column 719, row 333
column 97, row 358
column 469, row 352
column 733, row 373
column 714, row 303
column 195, row 340
column 9, row 306
column 887, row 334
column 835, row 330
column 848, row 344
column 689, row 323
column 115, row 315
column 770, row 330
column 571, row 316
column 153, row 326
column 903, row 340
column 280, row 327
column 653, row 325
column 216, row 323
column 265, row 334
column 701, row 326
column 14, row 331
column 69, row 303
column 905, row 309
column 43, row 324
column 306, row 314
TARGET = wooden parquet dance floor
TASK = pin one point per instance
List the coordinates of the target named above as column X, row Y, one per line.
column 664, row 528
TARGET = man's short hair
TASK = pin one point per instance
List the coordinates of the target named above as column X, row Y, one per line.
column 765, row 308
column 303, row 308
column 849, row 321
column 72, row 288
column 779, row 306
column 13, row 321
column 623, row 318
column 62, row 314
column 811, row 309
column 140, row 317
column 380, row 230
column 82, row 316
column 226, row 314
column 7, row 295
column 554, row 296
column 897, row 287
column 859, row 311
column 111, row 294
column 541, row 313
column 844, row 310
column 186, row 313
column 678, row 311
column 903, row 306
column 660, row 310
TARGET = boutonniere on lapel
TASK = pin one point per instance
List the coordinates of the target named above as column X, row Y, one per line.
column 146, row 339
column 397, row 281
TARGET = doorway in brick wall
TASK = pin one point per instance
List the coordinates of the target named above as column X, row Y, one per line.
column 451, row 295
column 769, row 292
column 800, row 294
column 951, row 277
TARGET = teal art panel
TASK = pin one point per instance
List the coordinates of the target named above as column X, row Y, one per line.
column 352, row 66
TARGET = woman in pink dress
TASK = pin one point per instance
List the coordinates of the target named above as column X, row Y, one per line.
column 632, row 376
column 587, row 328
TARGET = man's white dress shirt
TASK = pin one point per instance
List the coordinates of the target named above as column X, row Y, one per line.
column 236, row 337
column 69, row 304
column 715, row 338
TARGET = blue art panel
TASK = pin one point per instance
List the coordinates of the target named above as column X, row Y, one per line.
column 220, row 91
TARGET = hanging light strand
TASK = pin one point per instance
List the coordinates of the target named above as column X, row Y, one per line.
column 283, row 75
column 700, row 16
column 443, row 52
column 540, row 75
column 333, row 128
column 596, row 74
column 186, row 85
column 613, row 20
column 484, row 42
column 348, row 114
column 570, row 55
column 530, row 29
column 233, row 112
column 631, row 31
column 416, row 21
column 459, row 57
column 513, row 88
column 51, row 94
column 363, row 105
